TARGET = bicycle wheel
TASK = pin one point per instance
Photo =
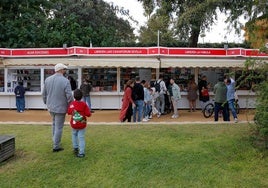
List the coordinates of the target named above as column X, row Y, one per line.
column 209, row 110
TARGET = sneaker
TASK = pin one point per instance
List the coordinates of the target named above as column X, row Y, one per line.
column 150, row 117
column 158, row 115
column 145, row 119
column 235, row 120
column 174, row 116
column 57, row 149
column 80, row 155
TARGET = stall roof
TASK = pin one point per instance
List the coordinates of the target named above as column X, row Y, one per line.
column 86, row 62
column 115, row 62
column 34, row 61
column 198, row 62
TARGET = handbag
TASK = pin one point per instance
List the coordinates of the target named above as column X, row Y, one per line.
column 204, row 92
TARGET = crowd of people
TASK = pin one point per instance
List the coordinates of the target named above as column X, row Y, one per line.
column 142, row 99
column 224, row 100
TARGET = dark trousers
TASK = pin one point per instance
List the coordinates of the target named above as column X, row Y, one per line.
column 129, row 113
column 225, row 111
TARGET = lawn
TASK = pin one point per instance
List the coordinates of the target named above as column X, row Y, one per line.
column 137, row 156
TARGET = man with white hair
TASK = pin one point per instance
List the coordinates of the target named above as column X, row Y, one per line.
column 57, row 95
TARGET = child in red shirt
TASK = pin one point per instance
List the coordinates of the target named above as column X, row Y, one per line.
column 78, row 110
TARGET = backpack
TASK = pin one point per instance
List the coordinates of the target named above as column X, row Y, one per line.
column 157, row 86
column 77, row 117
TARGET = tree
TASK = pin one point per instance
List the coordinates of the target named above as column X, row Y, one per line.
column 22, row 22
column 82, row 22
column 42, row 23
column 149, row 34
column 187, row 18
column 256, row 32
column 190, row 18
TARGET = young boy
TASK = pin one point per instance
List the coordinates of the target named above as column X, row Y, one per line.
column 78, row 110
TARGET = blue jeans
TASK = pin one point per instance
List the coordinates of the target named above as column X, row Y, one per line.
column 232, row 107
column 57, row 127
column 147, row 109
column 139, row 109
column 78, row 139
column 87, row 100
column 20, row 104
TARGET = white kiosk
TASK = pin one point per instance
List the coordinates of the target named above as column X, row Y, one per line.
column 109, row 68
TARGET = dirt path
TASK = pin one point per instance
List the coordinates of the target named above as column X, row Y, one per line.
column 110, row 116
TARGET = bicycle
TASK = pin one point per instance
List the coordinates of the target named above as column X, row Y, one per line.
column 209, row 109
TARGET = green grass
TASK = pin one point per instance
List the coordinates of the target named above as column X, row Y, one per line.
column 137, row 156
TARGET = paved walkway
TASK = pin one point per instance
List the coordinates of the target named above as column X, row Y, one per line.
column 38, row 117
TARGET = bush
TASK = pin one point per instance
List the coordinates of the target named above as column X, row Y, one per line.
column 261, row 116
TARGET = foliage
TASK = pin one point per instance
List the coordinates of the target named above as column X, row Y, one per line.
column 255, row 76
column 261, row 116
column 185, row 44
column 82, row 22
column 22, row 22
column 190, row 18
column 42, row 23
column 137, row 156
column 257, row 31
column 149, row 34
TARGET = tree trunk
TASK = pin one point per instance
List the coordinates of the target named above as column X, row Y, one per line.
column 193, row 40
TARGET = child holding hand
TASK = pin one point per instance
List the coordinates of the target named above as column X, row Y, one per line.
column 78, row 110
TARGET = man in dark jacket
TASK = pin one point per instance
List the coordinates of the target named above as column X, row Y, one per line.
column 20, row 98
column 138, row 97
column 221, row 103
column 86, row 88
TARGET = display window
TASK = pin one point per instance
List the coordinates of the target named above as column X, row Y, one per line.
column 181, row 76
column 213, row 74
column 126, row 74
column 48, row 72
column 2, row 80
column 29, row 77
column 70, row 73
column 102, row 79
